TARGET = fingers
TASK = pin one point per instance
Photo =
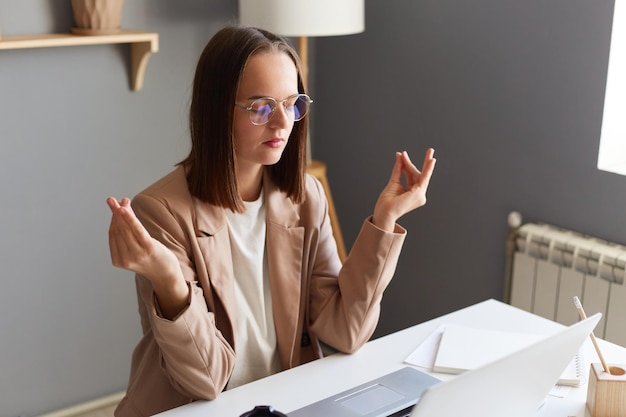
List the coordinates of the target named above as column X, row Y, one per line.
column 128, row 239
column 413, row 175
column 114, row 204
column 410, row 171
column 396, row 172
column 428, row 167
column 122, row 209
column 118, row 236
column 132, row 229
column 121, row 221
column 429, row 158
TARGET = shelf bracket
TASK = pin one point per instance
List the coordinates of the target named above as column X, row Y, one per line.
column 139, row 55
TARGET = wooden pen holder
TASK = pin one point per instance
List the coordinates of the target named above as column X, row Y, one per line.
column 606, row 393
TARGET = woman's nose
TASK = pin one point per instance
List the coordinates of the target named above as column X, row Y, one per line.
column 281, row 116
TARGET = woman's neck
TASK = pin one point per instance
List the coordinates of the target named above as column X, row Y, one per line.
column 250, row 183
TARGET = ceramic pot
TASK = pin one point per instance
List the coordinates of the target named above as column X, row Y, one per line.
column 97, row 17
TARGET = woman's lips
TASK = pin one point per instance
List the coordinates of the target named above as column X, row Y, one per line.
column 274, row 143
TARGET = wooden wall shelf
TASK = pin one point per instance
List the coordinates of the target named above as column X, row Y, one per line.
column 142, row 45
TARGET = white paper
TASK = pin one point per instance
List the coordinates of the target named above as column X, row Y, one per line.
column 424, row 355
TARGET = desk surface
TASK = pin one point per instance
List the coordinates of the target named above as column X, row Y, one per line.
column 297, row 387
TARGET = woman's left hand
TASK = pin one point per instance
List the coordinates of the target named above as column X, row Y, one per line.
column 396, row 200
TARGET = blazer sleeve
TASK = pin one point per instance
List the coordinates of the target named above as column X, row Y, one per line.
column 193, row 353
column 345, row 300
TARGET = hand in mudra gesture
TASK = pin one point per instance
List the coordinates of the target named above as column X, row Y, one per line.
column 396, row 199
column 134, row 249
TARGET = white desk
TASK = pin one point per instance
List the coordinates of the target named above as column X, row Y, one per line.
column 297, row 387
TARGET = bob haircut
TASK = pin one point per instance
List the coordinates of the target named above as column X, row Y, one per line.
column 210, row 166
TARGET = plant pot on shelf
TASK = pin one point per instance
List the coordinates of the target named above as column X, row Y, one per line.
column 97, row 17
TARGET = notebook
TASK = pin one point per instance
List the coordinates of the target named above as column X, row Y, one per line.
column 513, row 386
column 462, row 348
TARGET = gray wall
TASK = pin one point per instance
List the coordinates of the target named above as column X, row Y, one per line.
column 508, row 92
column 71, row 134
column 510, row 95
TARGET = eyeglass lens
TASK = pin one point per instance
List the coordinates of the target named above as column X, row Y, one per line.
column 261, row 110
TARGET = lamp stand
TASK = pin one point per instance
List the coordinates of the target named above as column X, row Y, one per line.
column 303, row 52
column 318, row 168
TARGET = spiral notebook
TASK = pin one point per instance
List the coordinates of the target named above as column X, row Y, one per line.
column 462, row 348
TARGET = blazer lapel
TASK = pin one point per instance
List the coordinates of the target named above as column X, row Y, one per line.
column 214, row 242
column 284, row 246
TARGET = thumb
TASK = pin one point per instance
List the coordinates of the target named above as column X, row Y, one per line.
column 396, row 172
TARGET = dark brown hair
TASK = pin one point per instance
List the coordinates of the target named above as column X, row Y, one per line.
column 211, row 174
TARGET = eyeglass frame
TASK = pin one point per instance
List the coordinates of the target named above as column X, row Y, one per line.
column 276, row 101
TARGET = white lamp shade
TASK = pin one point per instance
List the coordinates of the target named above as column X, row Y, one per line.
column 304, row 17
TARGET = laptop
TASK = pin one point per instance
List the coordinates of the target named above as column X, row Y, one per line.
column 513, row 386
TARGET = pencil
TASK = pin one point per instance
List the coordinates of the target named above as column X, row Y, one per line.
column 581, row 311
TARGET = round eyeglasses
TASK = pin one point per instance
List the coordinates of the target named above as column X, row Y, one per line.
column 261, row 110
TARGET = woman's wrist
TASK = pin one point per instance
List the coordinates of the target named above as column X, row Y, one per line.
column 384, row 223
column 172, row 294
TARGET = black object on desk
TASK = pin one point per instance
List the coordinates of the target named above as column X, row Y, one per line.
column 263, row 411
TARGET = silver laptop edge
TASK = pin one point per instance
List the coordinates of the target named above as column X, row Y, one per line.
column 513, row 386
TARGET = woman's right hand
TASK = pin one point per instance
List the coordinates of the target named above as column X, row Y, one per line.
column 134, row 249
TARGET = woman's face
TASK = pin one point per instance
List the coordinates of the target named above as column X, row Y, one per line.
column 268, row 74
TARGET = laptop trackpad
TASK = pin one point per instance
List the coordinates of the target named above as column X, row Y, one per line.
column 380, row 397
column 370, row 399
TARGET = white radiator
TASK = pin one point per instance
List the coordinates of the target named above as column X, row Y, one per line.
column 547, row 266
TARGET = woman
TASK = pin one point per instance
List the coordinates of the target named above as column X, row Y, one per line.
column 237, row 271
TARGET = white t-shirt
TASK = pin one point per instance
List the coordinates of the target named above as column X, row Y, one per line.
column 255, row 334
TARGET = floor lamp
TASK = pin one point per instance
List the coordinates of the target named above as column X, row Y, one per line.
column 303, row 19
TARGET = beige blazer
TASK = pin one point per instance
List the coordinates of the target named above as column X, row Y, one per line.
column 314, row 298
